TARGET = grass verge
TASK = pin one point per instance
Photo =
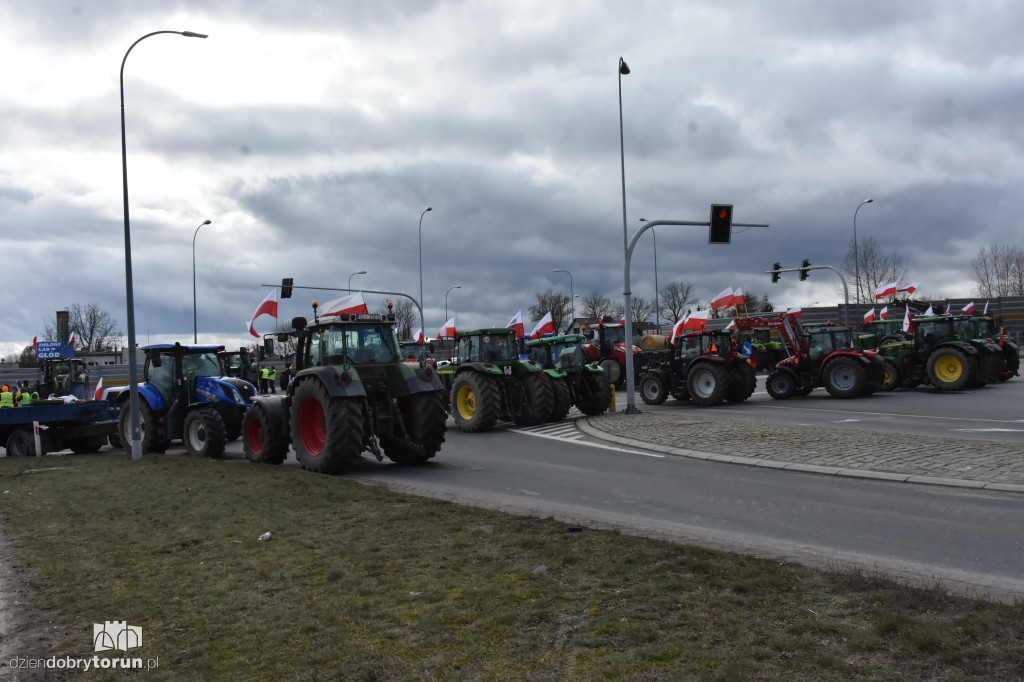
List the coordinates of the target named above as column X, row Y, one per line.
column 361, row 583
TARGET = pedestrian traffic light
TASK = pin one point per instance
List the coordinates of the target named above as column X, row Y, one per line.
column 803, row 269
column 775, row 272
column 286, row 287
column 720, row 231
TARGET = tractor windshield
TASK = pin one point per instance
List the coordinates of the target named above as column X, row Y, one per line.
column 567, row 355
column 487, row 348
column 200, row 365
column 362, row 343
column 614, row 335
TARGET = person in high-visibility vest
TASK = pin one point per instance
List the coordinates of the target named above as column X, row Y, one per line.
column 24, row 397
column 264, row 380
column 6, row 398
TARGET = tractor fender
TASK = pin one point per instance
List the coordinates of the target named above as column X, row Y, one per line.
column 483, row 367
column 790, row 371
column 962, row 345
column 421, row 379
column 276, row 409
column 343, row 383
column 146, row 392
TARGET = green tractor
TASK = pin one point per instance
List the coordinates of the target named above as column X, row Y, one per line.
column 576, row 381
column 881, row 332
column 350, row 392
column 944, row 352
column 488, row 381
column 766, row 349
column 990, row 329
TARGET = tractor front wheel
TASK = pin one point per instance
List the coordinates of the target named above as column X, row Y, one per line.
column 538, row 396
column 475, row 402
column 594, row 394
column 653, row 390
column 743, row 384
column 891, row 376
column 562, row 400
column 780, row 384
column 707, row 384
column 147, row 426
column 260, row 440
column 426, row 422
column 204, row 433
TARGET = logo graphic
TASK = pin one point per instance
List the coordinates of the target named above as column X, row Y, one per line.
column 116, row 634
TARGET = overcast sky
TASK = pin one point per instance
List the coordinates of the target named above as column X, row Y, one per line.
column 313, row 134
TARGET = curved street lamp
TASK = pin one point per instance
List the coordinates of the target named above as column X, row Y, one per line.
column 195, row 324
column 572, row 298
column 133, row 367
column 457, row 286
column 623, row 70
column 422, row 324
column 361, row 272
column 856, row 259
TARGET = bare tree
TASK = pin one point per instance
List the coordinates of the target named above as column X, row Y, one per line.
column 95, row 329
column 405, row 315
column 999, row 271
column 559, row 305
column 596, row 305
column 641, row 308
column 875, row 268
column 675, row 297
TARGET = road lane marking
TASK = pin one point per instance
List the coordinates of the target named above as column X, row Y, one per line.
column 542, row 432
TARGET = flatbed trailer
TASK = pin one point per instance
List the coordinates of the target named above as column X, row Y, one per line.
column 80, row 426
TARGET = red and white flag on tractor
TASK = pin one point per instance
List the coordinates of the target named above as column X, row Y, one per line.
column 730, row 326
column 72, row 338
column 418, row 336
column 723, row 300
column 448, row 330
column 930, row 312
column 266, row 307
column 545, row 326
column 949, row 309
column 908, row 324
column 517, row 323
column 884, row 313
column 869, row 316
column 910, row 288
column 798, row 311
column 352, row 304
column 985, row 312
column 886, row 290
column 738, row 298
column 969, row 308
column 697, row 320
column 98, row 394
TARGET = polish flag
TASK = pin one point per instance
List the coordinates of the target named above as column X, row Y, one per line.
column 418, row 336
column 72, row 339
column 869, row 316
column 36, row 337
column 98, row 395
column 697, row 320
column 517, row 323
column 545, row 326
column 949, row 309
column 448, row 330
column 677, row 329
column 723, row 300
column 969, row 308
column 929, row 312
column 731, row 325
column 910, row 288
column 267, row 307
column 886, row 290
column 908, row 325
column 884, row 314
column 352, row 304
column 798, row 311
column 985, row 312
column 738, row 298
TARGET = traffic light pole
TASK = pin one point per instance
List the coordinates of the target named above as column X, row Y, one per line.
column 846, row 291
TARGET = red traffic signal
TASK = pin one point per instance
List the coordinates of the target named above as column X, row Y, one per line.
column 720, row 231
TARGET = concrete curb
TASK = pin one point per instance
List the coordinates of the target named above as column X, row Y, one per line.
column 584, row 425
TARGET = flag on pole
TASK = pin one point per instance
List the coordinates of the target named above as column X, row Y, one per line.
column 908, row 324
column 267, row 306
column 886, row 290
column 884, row 314
column 869, row 316
column 352, row 304
column 36, row 337
column 545, row 326
column 738, row 298
column 98, row 395
column 677, row 328
column 72, row 338
column 731, row 325
column 517, row 323
column 697, row 320
column 910, row 288
column 723, row 300
column 985, row 312
column 798, row 311
column 949, row 309
column 418, row 336
column 448, row 330
column 969, row 308
column 929, row 312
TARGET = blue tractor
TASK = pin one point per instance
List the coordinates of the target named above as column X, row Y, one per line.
column 183, row 396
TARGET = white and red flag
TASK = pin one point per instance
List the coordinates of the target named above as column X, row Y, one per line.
column 723, row 300
column 884, row 314
column 908, row 324
column 985, row 312
column 869, row 316
column 798, row 311
column 697, row 320
column 352, row 304
column 36, row 337
column 517, row 323
column 418, row 336
column 677, row 328
column 910, row 288
column 738, row 298
column 730, row 326
column 545, row 326
column 949, row 309
column 98, row 395
column 886, row 290
column 969, row 308
column 929, row 312
column 448, row 330
column 266, row 307
column 72, row 338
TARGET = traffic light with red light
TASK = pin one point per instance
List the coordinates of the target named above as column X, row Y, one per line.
column 720, row 231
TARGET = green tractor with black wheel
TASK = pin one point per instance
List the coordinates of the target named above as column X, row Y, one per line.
column 880, row 332
column 488, row 381
column 990, row 329
column 350, row 393
column 944, row 353
column 576, row 381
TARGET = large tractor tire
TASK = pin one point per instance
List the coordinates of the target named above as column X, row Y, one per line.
column 426, row 421
column 744, row 381
column 845, row 377
column 780, row 384
column 707, row 383
column 21, row 443
column 203, row 433
column 594, row 394
column 475, row 401
column 327, row 433
column 951, row 369
column 260, row 438
column 561, row 399
column 538, row 397
column 147, row 428
column 616, row 373
column 653, row 390
column 891, row 377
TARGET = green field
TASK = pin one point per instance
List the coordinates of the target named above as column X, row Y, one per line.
column 358, row 582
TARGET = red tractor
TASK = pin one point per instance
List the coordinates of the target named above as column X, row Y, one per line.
column 607, row 347
column 825, row 356
column 703, row 367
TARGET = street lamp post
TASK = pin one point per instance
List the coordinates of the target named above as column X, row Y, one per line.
column 195, row 323
column 623, row 70
column 133, row 368
column 856, row 258
column 572, row 298
column 423, row 325
column 361, row 272
column 457, row 286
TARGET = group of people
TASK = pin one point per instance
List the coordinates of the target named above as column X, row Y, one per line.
column 22, row 397
column 264, row 378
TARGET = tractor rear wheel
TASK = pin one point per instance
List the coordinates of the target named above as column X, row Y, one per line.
column 743, row 384
column 475, row 402
column 707, row 383
column 780, row 384
column 653, row 390
column 615, row 372
column 561, row 400
column 260, row 440
column 950, row 369
column 147, row 428
column 594, row 394
column 538, row 396
column 327, row 433
column 891, row 376
column 845, row 377
column 203, row 433
column 426, row 422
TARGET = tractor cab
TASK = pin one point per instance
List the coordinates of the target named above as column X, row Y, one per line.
column 487, row 346
column 65, row 376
